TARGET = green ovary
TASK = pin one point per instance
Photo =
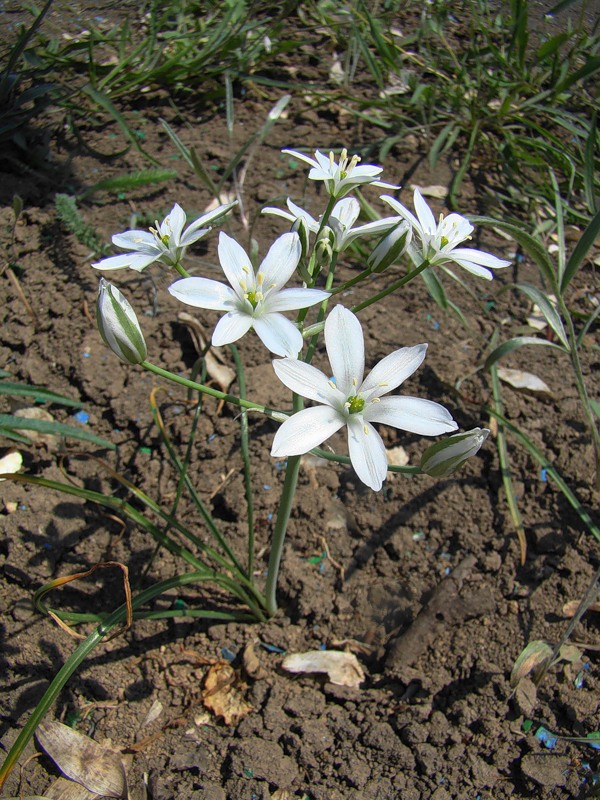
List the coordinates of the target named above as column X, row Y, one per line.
column 355, row 404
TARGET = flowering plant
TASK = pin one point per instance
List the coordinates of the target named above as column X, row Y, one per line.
column 261, row 298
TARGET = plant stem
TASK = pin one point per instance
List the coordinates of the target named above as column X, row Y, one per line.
column 283, row 516
column 392, row 288
column 200, row 387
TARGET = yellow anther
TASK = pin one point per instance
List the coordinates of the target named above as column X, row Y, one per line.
column 366, row 430
column 260, row 278
column 246, row 270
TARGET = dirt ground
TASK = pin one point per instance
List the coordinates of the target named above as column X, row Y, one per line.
column 435, row 716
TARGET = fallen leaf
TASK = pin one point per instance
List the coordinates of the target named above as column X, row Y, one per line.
column 531, row 659
column 397, row 456
column 63, row 789
column 224, row 692
column 252, row 663
column 83, row 760
column 523, row 380
column 11, row 462
column 435, row 190
column 569, row 609
column 343, row 669
column 51, row 440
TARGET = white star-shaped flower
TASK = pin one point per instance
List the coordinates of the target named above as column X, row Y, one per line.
column 343, row 216
column 439, row 240
column 165, row 243
column 253, row 300
column 349, row 399
column 342, row 177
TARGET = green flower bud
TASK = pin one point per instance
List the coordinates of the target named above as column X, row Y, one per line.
column 443, row 458
column 324, row 246
column 391, row 247
column 301, row 228
column 118, row 324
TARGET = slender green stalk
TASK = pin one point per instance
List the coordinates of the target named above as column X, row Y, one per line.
column 181, row 270
column 391, row 288
column 200, row 387
column 245, row 448
column 283, row 515
column 550, row 470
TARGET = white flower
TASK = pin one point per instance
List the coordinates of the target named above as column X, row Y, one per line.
column 253, row 300
column 165, row 243
column 118, row 324
column 343, row 216
column 343, row 177
column 439, row 240
column 347, row 399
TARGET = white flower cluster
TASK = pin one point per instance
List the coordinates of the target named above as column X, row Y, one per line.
column 256, row 299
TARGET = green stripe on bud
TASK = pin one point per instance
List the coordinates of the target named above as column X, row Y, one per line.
column 391, row 247
column 118, row 324
column 443, row 458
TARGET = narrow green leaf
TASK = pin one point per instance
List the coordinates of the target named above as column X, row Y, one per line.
column 41, row 395
column 435, row 288
column 582, row 248
column 513, row 344
column 532, row 246
column 54, row 428
column 547, row 308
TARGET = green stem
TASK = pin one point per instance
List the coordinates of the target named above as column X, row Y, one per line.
column 200, row 387
column 181, row 270
column 392, row 288
column 283, row 515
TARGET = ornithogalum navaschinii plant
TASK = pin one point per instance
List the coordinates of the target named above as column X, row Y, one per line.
column 290, row 300
column 293, row 300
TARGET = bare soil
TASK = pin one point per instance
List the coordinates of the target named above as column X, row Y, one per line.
column 422, row 580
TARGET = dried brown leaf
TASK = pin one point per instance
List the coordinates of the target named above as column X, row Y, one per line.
column 83, row 760
column 224, row 692
column 342, row 668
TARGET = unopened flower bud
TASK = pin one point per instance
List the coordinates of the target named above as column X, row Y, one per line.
column 324, row 246
column 301, row 228
column 118, row 324
column 443, row 458
column 391, row 247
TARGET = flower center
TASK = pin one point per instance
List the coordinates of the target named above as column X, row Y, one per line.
column 444, row 241
column 355, row 404
column 254, row 298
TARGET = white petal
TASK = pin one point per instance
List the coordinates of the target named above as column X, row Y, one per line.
column 278, row 212
column 231, row 327
column 301, row 156
column 367, row 452
column 306, row 429
column 191, row 236
column 308, row 381
column 173, row 223
column 114, row 262
column 346, row 211
column 136, row 240
column 204, row 293
column 206, row 219
column 345, row 349
column 282, row 259
column 474, row 269
column 300, row 213
column 411, row 414
column 424, row 213
column 402, row 210
column 479, row 257
column 393, row 370
column 278, row 334
column 235, row 264
column 292, row 299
